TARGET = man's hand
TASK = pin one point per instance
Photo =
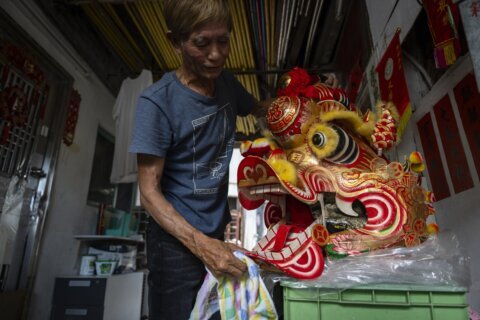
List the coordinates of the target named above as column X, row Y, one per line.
column 218, row 256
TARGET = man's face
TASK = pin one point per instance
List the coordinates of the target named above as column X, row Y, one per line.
column 205, row 51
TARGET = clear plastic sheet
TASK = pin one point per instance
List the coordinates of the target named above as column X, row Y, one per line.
column 10, row 218
column 439, row 261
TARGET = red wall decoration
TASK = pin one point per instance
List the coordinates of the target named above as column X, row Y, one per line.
column 23, row 96
column 443, row 21
column 72, row 118
column 468, row 102
column 431, row 152
column 392, row 83
column 452, row 145
column 23, row 61
column 13, row 109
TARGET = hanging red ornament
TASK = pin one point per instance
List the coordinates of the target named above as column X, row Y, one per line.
column 443, row 22
column 72, row 118
column 13, row 109
column 22, row 60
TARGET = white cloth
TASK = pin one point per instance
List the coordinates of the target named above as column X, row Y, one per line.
column 124, row 167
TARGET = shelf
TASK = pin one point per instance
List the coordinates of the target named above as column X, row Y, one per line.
column 93, row 238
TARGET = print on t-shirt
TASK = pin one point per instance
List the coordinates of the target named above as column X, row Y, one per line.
column 218, row 130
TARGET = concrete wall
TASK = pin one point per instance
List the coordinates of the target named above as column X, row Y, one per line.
column 68, row 214
column 459, row 213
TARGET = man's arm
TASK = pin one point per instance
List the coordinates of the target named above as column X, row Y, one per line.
column 259, row 111
column 216, row 255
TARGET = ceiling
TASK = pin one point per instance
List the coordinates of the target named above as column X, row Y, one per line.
column 119, row 38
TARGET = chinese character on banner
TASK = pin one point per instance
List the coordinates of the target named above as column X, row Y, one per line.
column 443, row 21
column 72, row 117
column 392, row 83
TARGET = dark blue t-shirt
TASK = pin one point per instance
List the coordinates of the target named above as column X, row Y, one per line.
column 195, row 134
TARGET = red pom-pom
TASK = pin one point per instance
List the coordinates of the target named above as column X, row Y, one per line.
column 293, row 82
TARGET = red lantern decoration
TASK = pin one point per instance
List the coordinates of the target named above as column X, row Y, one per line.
column 72, row 118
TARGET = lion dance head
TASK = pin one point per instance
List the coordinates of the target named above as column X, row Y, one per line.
column 324, row 182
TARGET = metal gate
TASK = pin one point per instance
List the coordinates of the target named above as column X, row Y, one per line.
column 17, row 140
column 23, row 98
column 34, row 92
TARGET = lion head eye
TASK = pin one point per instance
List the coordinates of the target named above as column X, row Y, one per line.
column 322, row 139
column 319, row 139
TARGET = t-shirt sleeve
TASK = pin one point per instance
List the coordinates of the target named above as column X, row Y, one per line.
column 246, row 101
column 152, row 133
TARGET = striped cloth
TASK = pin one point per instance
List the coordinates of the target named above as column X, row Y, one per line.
column 243, row 299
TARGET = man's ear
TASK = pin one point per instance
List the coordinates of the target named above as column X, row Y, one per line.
column 174, row 41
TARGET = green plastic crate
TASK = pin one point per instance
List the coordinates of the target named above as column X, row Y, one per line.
column 375, row 302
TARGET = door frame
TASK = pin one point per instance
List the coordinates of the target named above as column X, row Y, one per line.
column 61, row 84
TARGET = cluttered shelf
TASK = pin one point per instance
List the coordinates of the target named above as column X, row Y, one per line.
column 118, row 254
column 118, row 244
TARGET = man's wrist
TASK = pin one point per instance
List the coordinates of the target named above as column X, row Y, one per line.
column 196, row 238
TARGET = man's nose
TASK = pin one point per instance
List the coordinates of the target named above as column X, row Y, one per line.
column 217, row 51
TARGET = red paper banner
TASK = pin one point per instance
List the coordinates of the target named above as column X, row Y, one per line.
column 392, row 83
column 443, row 18
column 468, row 102
column 72, row 118
column 452, row 146
column 354, row 82
column 431, row 152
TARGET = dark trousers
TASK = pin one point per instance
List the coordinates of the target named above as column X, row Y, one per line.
column 175, row 276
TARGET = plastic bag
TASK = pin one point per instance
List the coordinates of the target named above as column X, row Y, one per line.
column 437, row 261
column 10, row 218
column 245, row 298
